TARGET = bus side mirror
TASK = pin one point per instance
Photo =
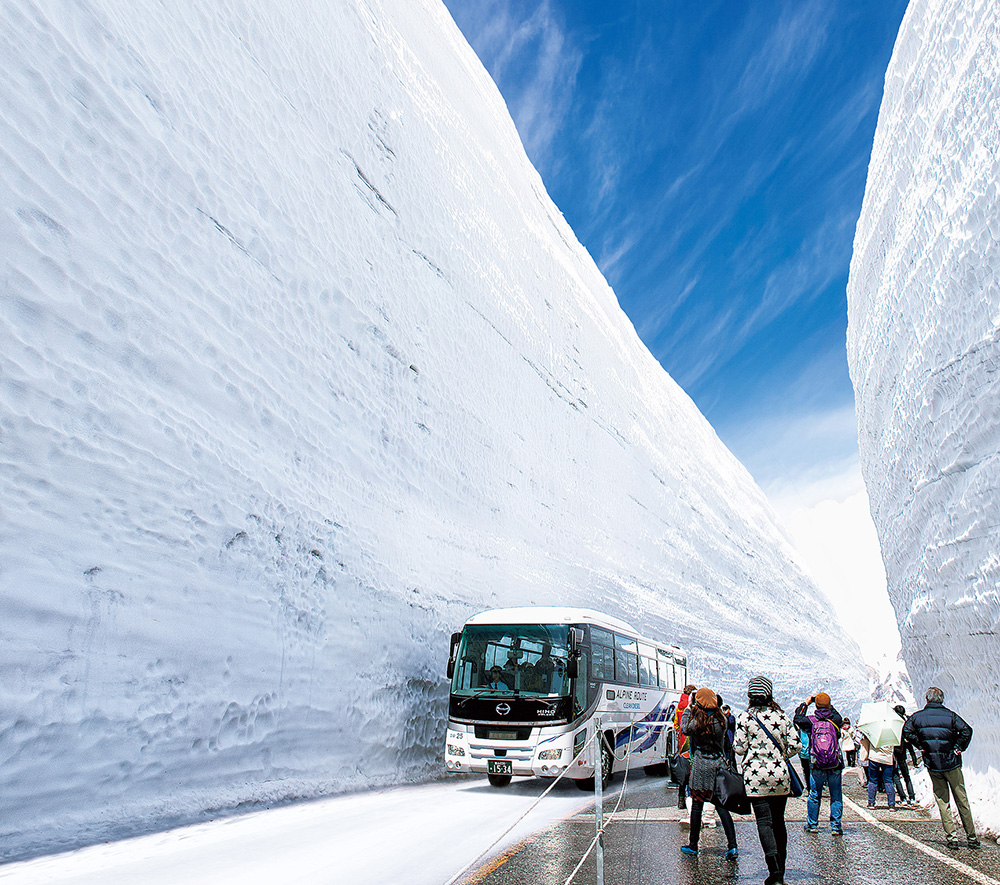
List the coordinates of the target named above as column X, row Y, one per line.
column 576, row 638
column 453, row 653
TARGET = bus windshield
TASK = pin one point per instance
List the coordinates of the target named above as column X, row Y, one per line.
column 524, row 659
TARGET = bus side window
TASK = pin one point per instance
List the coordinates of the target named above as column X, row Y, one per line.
column 626, row 661
column 604, row 663
column 626, row 667
column 664, row 664
column 644, row 671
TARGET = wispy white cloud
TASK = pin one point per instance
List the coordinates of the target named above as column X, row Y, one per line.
column 607, row 156
column 796, row 441
column 813, row 456
column 534, row 63
column 805, row 275
column 613, row 254
column 790, row 46
column 807, row 465
column 831, row 526
column 851, row 115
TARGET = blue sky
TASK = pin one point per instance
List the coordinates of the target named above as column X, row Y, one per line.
column 712, row 158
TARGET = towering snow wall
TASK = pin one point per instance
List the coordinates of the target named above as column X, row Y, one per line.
column 300, row 368
column 924, row 351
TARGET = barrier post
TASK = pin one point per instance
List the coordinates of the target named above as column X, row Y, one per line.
column 599, row 797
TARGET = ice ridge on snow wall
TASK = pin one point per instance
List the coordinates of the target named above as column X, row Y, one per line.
column 300, row 368
column 924, row 352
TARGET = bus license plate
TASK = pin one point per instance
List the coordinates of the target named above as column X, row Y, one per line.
column 499, row 766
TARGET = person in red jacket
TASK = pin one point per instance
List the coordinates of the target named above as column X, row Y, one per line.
column 682, row 739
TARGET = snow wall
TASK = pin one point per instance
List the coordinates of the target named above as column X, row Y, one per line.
column 924, row 352
column 300, row 368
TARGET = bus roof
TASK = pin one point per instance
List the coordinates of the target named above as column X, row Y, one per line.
column 543, row 614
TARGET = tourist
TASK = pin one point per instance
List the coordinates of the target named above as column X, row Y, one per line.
column 705, row 727
column 765, row 740
column 942, row 736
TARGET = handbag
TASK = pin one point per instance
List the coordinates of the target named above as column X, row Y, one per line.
column 680, row 769
column 731, row 791
column 797, row 787
column 796, row 782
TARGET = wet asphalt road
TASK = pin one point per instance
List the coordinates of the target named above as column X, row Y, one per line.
column 642, row 847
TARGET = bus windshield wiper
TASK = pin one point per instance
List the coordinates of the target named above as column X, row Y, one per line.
column 496, row 692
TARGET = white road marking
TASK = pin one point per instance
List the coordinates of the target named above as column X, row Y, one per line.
column 926, row 849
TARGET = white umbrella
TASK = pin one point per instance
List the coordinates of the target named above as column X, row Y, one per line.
column 882, row 725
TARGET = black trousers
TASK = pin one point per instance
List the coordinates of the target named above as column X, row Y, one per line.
column 770, row 814
column 724, row 817
column 901, row 775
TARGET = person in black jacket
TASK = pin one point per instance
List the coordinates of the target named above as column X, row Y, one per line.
column 900, row 770
column 942, row 737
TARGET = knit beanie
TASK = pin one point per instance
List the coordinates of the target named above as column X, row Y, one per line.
column 822, row 699
column 706, row 698
column 760, row 688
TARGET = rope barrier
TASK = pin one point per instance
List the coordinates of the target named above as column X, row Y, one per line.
column 533, row 805
column 504, row 834
column 611, row 816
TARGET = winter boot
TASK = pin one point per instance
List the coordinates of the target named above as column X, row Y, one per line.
column 774, row 874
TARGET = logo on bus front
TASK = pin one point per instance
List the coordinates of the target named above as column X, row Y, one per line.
column 503, row 709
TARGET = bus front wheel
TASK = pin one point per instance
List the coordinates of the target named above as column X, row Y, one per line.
column 499, row 780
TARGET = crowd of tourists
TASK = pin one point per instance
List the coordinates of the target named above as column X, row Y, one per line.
column 760, row 742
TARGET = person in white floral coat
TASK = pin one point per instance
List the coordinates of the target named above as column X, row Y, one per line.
column 765, row 770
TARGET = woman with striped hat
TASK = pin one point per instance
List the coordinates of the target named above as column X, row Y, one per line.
column 765, row 739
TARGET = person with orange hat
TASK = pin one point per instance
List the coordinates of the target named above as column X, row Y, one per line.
column 826, row 762
column 705, row 727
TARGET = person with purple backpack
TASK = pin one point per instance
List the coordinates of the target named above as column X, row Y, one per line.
column 826, row 763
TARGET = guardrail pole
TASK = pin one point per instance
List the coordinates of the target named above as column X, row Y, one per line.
column 599, row 797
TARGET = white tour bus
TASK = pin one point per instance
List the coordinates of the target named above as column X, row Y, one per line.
column 527, row 685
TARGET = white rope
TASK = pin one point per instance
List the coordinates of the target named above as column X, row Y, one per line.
column 610, row 817
column 503, row 835
column 531, row 808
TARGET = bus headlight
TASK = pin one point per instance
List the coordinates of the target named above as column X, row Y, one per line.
column 550, row 754
column 454, row 750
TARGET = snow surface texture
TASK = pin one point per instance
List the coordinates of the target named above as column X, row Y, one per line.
column 300, row 368
column 924, row 351
column 889, row 681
